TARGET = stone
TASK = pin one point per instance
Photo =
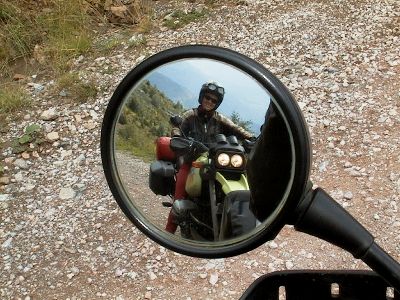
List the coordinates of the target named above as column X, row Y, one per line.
column 214, row 278
column 348, row 195
column 4, row 180
column 49, row 115
column 67, row 193
column 289, row 265
column 90, row 125
column 25, row 155
column 152, row 276
column 53, row 136
column 272, row 245
column 21, row 163
column 4, row 197
column 7, row 243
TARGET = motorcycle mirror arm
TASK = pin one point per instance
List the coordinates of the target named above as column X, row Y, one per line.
column 319, row 215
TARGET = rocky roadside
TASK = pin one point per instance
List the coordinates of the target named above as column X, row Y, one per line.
column 62, row 236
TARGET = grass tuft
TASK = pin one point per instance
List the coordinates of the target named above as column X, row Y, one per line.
column 72, row 86
column 13, row 98
column 60, row 27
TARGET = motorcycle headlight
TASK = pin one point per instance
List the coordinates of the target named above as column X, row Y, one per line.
column 237, row 161
column 223, row 159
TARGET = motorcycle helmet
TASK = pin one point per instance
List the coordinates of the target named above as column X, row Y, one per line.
column 214, row 88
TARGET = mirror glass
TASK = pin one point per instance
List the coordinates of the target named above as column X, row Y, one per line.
column 212, row 199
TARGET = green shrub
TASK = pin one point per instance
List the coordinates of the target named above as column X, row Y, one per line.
column 29, row 140
column 179, row 18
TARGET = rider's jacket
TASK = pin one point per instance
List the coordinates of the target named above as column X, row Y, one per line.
column 203, row 126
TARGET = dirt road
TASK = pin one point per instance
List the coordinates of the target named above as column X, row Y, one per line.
column 62, row 236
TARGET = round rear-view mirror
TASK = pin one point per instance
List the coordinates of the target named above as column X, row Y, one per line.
column 189, row 137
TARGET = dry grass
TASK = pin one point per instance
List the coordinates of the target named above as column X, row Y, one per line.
column 12, row 98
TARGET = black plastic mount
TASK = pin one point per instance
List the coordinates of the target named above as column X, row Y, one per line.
column 319, row 215
column 320, row 285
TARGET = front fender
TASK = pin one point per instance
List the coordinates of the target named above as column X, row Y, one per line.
column 232, row 185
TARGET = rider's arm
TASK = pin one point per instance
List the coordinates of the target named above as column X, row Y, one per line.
column 185, row 126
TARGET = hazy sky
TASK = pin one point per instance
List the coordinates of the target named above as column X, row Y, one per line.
column 243, row 94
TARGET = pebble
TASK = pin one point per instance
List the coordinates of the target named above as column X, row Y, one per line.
column 21, row 163
column 4, row 180
column 67, row 193
column 289, row 265
column 152, row 276
column 49, row 115
column 348, row 195
column 53, row 136
column 7, row 243
column 214, row 278
column 272, row 245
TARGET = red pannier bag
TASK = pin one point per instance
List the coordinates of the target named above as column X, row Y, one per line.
column 163, row 150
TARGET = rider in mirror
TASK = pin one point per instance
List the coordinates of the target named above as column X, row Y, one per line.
column 202, row 124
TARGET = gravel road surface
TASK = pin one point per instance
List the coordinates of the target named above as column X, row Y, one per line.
column 62, row 236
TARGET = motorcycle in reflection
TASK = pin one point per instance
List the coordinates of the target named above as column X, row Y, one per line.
column 217, row 207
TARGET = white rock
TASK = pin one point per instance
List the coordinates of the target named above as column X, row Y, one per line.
column 213, row 278
column 4, row 197
column 272, row 245
column 53, row 136
column 21, row 163
column 7, row 243
column 289, row 265
column 19, row 177
column 100, row 249
column 94, row 115
column 49, row 115
column 67, row 193
column 118, row 272
column 65, row 153
column 90, row 125
column 132, row 275
column 152, row 276
column 348, row 195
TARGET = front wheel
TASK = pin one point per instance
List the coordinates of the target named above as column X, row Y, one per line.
column 237, row 218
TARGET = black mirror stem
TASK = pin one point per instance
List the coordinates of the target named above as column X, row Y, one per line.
column 319, row 215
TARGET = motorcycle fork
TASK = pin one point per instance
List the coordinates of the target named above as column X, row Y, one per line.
column 214, row 209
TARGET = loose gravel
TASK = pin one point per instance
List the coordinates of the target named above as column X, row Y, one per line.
column 62, row 235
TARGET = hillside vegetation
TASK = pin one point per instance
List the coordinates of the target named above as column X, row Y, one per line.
column 145, row 116
column 43, row 37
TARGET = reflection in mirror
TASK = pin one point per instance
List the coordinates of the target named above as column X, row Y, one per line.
column 269, row 164
column 187, row 174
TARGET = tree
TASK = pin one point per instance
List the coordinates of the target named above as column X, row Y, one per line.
column 235, row 117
